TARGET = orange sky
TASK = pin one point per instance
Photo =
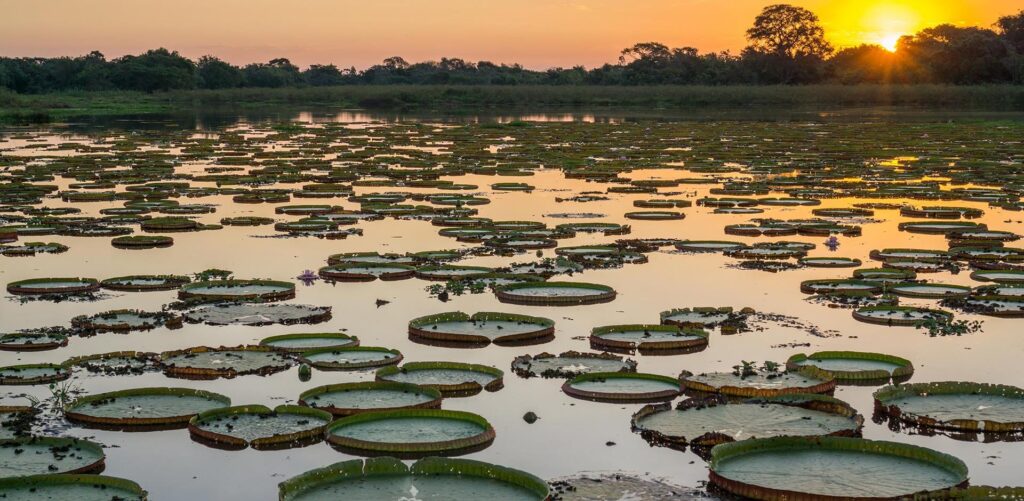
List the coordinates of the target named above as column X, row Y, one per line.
column 536, row 33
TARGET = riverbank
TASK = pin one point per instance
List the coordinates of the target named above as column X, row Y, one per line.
column 40, row 108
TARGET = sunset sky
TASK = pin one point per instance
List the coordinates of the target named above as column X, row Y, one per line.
column 536, row 33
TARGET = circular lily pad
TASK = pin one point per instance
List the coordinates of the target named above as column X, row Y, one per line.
column 237, row 290
column 701, row 317
column 929, row 291
column 79, row 487
column 247, row 221
column 708, row 245
column 212, row 363
column 450, row 378
column 964, row 406
column 999, row 276
column 831, row 468
column 115, row 363
column 143, row 407
column 804, row 380
column 840, row 287
column 258, row 314
column 429, row 478
column 357, row 357
column 854, row 367
column 623, row 387
column 410, row 433
column 365, row 272
column 298, row 343
column 939, row 228
column 51, row 286
column 47, row 455
column 260, row 427
column 900, row 315
column 346, row 399
column 452, row 272
column 648, row 339
column 139, row 283
column 830, row 262
column 884, row 275
column 569, row 364
column 124, row 321
column 705, row 422
column 28, row 374
column 555, row 293
column 655, row 215
column 481, row 329
column 33, row 341
column 142, row 242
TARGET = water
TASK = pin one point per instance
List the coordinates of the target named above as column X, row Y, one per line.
column 171, row 466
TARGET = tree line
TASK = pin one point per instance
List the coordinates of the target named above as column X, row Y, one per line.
column 787, row 45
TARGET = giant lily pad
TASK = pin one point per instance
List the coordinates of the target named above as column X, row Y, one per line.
column 804, row 380
column 237, row 290
column 27, row 374
column 570, row 364
column 410, row 433
column 450, row 378
column 260, row 427
column 900, row 315
column 429, row 478
column 708, row 421
column 143, row 407
column 854, row 367
column 481, row 328
column 78, row 487
column 356, row 357
column 45, row 455
column 258, row 314
column 622, row 387
column 973, row 407
column 211, row 363
column 53, row 286
column 648, row 339
column 831, row 468
column 346, row 399
column 145, row 283
column 555, row 293
column 298, row 343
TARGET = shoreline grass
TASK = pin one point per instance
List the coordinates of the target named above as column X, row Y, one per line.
column 438, row 98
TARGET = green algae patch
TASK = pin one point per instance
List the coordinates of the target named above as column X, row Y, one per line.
column 79, row 487
column 702, row 423
column 48, row 455
column 260, row 427
column 346, row 399
column 831, row 468
column 481, row 329
column 298, row 343
column 648, row 339
column 428, row 478
column 623, row 387
column 143, row 407
column 569, row 364
column 855, row 367
column 555, row 293
column 450, row 378
column 411, row 433
column 960, row 406
column 357, row 357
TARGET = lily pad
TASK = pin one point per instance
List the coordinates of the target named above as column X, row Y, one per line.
column 211, row 363
column 410, row 433
column 649, row 339
column 358, row 357
column 260, row 427
column 143, row 407
column 298, row 343
column 481, row 328
column 346, row 399
column 53, row 286
column 900, row 315
column 138, row 283
column 238, row 290
column 429, row 478
column 78, row 487
column 623, row 387
column 555, row 293
column 47, row 455
column 29, row 374
column 569, row 364
column 854, row 367
column 804, row 380
column 258, row 314
column 450, row 378
column 964, row 406
column 831, row 468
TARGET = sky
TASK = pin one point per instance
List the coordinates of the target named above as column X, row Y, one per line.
column 538, row 34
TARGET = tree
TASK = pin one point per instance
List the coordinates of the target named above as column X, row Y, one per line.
column 862, row 64
column 216, row 74
column 1011, row 29
column 792, row 32
column 278, row 72
column 321, row 75
column 158, row 69
column 950, row 54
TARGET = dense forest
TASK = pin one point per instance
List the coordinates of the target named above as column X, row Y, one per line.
column 787, row 45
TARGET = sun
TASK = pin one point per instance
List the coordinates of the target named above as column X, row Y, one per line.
column 889, row 41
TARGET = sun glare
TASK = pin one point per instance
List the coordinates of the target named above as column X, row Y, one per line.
column 890, row 41
column 878, row 22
